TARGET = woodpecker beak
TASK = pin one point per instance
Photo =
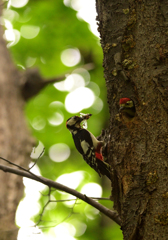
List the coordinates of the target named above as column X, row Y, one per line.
column 86, row 116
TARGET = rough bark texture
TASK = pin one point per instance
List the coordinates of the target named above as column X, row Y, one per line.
column 134, row 38
column 14, row 141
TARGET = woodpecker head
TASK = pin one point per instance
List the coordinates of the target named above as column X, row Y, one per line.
column 127, row 106
column 74, row 123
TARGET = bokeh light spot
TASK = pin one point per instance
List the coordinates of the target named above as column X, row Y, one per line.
column 59, row 152
column 56, row 104
column 65, row 231
column 84, row 73
column 18, row 3
column 29, row 31
column 92, row 190
column 72, row 82
column 66, row 2
column 33, row 233
column 97, row 105
column 37, row 151
column 70, row 57
column 30, row 61
column 21, row 66
column 32, row 195
column 43, row 60
column 10, row 14
column 85, row 13
column 7, row 24
column 26, row 16
column 79, row 99
column 91, row 212
column 95, row 88
column 38, row 123
column 12, row 36
column 56, row 119
column 80, row 227
column 22, row 209
column 60, row 86
column 71, row 180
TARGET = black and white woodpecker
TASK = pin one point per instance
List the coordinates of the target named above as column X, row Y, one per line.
column 87, row 145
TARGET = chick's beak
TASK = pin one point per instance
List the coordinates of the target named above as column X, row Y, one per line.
column 121, row 107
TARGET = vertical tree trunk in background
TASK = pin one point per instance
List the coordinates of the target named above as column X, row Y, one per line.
column 14, row 141
column 134, row 38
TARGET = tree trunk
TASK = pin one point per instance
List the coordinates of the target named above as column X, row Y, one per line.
column 14, row 141
column 134, row 39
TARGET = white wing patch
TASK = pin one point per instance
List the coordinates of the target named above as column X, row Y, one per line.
column 94, row 140
column 85, row 146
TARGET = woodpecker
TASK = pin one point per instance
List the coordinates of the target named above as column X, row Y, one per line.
column 87, row 145
column 127, row 107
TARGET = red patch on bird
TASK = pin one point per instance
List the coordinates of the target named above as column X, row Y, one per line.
column 124, row 100
column 99, row 156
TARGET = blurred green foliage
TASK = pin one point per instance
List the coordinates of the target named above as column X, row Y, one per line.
column 61, row 29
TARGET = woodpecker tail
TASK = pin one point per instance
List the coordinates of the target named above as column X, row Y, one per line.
column 95, row 161
column 103, row 168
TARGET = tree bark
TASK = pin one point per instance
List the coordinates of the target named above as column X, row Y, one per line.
column 15, row 143
column 134, row 40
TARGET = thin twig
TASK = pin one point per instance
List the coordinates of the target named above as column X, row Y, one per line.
column 109, row 213
column 69, row 215
column 41, row 214
column 37, row 159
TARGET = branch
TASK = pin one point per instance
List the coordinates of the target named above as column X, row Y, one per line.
column 32, row 82
column 111, row 214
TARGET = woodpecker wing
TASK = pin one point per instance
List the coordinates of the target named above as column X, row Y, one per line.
column 82, row 140
column 84, row 145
